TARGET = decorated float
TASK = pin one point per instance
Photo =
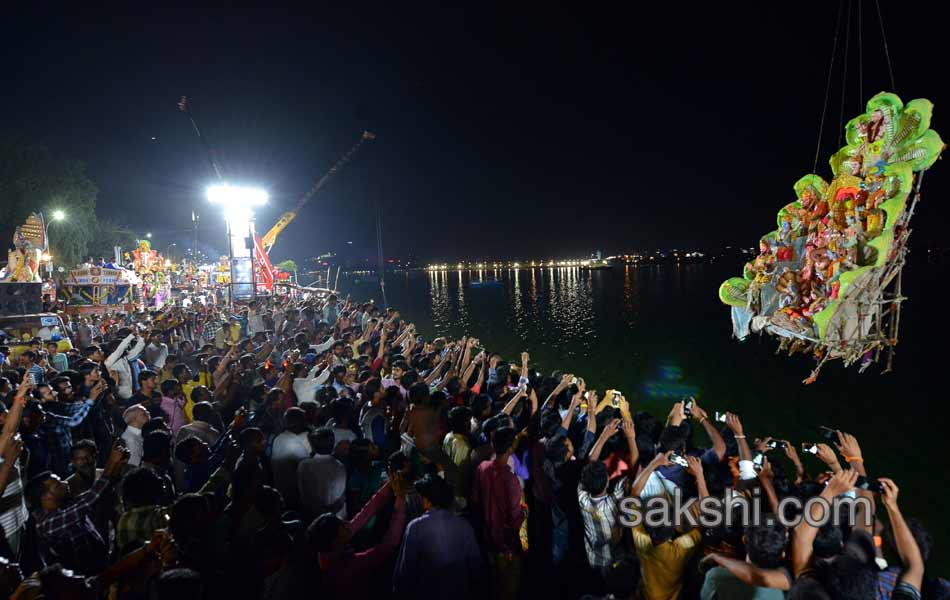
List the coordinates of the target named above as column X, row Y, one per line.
column 152, row 269
column 90, row 289
column 827, row 280
column 29, row 244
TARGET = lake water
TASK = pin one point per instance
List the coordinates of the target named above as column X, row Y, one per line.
column 660, row 332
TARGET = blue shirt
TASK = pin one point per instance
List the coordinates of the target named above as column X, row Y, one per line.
column 439, row 558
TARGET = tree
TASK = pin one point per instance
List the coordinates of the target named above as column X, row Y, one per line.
column 109, row 235
column 33, row 180
column 288, row 265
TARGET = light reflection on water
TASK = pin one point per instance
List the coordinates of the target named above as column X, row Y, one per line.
column 557, row 306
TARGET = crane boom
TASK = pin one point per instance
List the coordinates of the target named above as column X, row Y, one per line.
column 270, row 238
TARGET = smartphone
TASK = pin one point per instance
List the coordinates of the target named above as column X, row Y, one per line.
column 809, row 447
column 678, row 459
column 828, row 433
column 757, row 460
column 777, row 444
column 720, row 417
column 616, row 399
column 871, row 485
column 688, row 406
column 574, row 381
column 31, row 379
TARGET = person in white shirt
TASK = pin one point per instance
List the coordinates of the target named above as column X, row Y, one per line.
column 306, row 387
column 290, row 447
column 321, row 479
column 135, row 417
column 255, row 319
column 118, row 361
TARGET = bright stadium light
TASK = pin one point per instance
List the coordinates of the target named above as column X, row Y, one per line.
column 238, row 204
column 235, row 196
column 59, row 215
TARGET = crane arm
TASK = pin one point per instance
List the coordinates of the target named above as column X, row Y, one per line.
column 270, row 238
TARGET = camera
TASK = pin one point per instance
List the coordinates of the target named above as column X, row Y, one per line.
column 720, row 417
column 810, row 448
column 777, row 444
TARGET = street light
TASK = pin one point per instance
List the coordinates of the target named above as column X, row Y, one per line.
column 238, row 204
column 59, row 215
column 148, row 235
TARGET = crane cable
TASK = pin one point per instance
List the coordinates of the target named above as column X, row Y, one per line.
column 844, row 75
column 860, row 61
column 185, row 107
column 831, row 66
column 887, row 53
column 366, row 136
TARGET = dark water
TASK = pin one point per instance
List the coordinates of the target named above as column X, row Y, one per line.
column 659, row 332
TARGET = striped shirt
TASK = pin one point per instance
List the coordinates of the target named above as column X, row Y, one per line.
column 602, row 530
column 13, row 512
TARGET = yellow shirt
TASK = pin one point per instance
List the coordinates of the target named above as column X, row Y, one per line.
column 662, row 566
column 204, row 378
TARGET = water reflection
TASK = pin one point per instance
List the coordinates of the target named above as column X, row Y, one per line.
column 462, row 304
column 441, row 307
column 631, row 296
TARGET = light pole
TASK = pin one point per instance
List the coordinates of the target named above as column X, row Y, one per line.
column 168, row 249
column 238, row 204
column 57, row 216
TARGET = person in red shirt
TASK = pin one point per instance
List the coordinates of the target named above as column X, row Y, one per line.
column 346, row 572
column 497, row 493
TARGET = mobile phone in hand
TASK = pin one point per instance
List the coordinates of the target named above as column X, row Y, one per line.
column 688, row 407
column 828, row 433
column 720, row 417
column 616, row 399
column 678, row 459
column 871, row 485
column 777, row 444
column 757, row 460
column 810, row 448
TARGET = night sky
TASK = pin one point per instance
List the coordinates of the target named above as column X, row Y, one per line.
column 511, row 131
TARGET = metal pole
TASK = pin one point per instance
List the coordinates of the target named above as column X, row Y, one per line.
column 336, row 281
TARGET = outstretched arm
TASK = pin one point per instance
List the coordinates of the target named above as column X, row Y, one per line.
column 611, row 428
column 907, row 547
column 804, row 534
column 719, row 445
column 752, row 575
column 660, row 460
column 565, row 381
column 119, row 351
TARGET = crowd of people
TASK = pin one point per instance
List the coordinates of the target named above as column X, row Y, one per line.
column 322, row 448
